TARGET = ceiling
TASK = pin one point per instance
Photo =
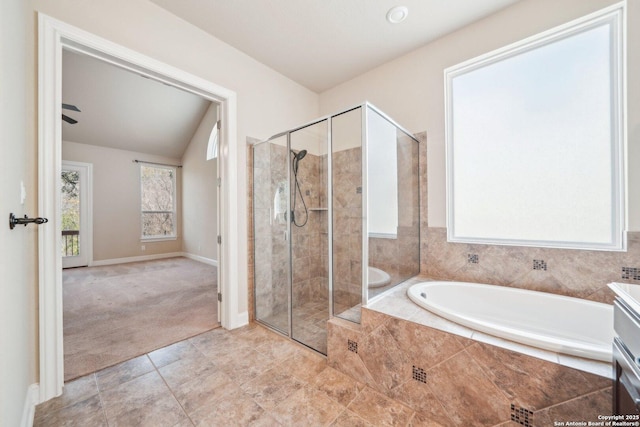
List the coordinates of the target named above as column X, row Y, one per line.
column 322, row 43
column 317, row 43
column 121, row 109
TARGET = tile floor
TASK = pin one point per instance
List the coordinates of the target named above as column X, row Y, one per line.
column 246, row 377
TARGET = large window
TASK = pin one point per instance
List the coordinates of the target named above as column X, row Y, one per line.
column 158, row 201
column 535, row 140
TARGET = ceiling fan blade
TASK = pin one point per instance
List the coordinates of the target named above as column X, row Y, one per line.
column 70, row 107
column 69, row 120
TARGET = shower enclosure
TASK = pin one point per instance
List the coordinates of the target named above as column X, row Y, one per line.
column 315, row 189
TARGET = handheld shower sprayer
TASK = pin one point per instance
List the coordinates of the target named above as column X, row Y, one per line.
column 296, row 159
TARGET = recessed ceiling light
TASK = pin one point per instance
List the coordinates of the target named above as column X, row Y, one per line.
column 397, row 14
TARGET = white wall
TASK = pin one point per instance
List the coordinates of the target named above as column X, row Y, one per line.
column 411, row 88
column 199, row 202
column 267, row 102
column 18, row 250
column 116, row 201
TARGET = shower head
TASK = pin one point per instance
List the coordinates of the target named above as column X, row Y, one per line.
column 300, row 155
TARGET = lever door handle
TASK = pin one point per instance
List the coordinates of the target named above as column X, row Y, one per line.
column 13, row 221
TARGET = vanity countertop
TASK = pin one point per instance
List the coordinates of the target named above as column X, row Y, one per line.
column 629, row 293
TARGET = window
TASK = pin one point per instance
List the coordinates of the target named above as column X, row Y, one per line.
column 158, row 201
column 535, row 140
column 212, row 146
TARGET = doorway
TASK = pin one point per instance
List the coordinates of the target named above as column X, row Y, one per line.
column 53, row 37
column 76, row 196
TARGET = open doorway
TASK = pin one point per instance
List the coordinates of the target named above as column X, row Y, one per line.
column 53, row 37
column 145, row 273
column 77, row 225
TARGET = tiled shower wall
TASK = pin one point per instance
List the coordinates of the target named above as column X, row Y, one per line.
column 270, row 278
column 270, row 259
column 347, row 228
column 309, row 242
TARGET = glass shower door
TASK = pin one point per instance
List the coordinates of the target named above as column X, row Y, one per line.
column 309, row 255
column 270, row 213
column 347, row 212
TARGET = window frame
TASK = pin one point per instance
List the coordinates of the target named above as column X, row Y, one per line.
column 174, row 211
column 613, row 15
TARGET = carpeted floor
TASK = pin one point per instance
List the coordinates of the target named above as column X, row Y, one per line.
column 115, row 313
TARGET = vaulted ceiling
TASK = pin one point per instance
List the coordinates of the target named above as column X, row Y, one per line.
column 321, row 43
column 121, row 109
column 317, row 43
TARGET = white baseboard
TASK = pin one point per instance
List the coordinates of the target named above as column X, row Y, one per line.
column 30, row 402
column 240, row 319
column 134, row 259
column 209, row 261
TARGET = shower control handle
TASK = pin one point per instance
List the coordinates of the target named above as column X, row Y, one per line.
column 286, row 236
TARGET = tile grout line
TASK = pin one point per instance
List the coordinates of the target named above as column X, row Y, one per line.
column 102, row 406
column 170, row 389
column 574, row 398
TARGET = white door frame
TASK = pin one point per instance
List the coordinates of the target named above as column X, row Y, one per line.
column 53, row 36
column 85, row 243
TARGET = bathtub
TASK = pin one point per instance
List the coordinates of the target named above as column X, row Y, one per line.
column 551, row 322
column 378, row 278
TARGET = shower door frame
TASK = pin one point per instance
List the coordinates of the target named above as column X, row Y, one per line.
column 365, row 106
column 289, row 234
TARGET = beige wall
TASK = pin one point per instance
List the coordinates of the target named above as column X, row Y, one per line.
column 18, row 249
column 267, row 102
column 199, row 201
column 411, row 88
column 116, row 201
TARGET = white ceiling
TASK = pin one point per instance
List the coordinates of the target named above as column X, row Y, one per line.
column 121, row 109
column 317, row 43
column 321, row 43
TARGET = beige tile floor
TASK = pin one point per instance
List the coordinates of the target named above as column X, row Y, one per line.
column 246, row 377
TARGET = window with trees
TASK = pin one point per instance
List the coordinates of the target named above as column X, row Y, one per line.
column 158, row 201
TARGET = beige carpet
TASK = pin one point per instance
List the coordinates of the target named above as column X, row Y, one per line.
column 115, row 313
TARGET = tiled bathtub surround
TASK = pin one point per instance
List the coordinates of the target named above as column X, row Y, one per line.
column 576, row 273
column 456, row 381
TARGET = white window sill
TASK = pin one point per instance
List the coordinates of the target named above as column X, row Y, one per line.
column 158, row 239
column 383, row 236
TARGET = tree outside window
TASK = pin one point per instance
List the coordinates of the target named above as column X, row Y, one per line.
column 158, row 201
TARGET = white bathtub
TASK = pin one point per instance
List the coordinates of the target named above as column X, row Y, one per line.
column 552, row 322
column 378, row 278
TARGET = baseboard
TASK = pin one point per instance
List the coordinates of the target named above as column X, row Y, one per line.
column 208, row 261
column 134, row 259
column 240, row 319
column 30, row 402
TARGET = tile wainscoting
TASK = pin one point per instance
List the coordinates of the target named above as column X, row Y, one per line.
column 576, row 273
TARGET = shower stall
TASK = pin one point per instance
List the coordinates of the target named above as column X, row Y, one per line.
column 335, row 202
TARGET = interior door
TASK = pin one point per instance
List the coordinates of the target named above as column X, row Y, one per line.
column 76, row 231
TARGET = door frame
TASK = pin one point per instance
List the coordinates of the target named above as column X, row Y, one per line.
column 85, row 244
column 53, row 36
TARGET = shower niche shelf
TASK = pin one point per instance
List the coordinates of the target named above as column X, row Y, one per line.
column 317, row 209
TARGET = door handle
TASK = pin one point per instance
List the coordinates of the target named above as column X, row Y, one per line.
column 13, row 221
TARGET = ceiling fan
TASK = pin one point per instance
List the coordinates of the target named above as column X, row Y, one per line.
column 67, row 118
